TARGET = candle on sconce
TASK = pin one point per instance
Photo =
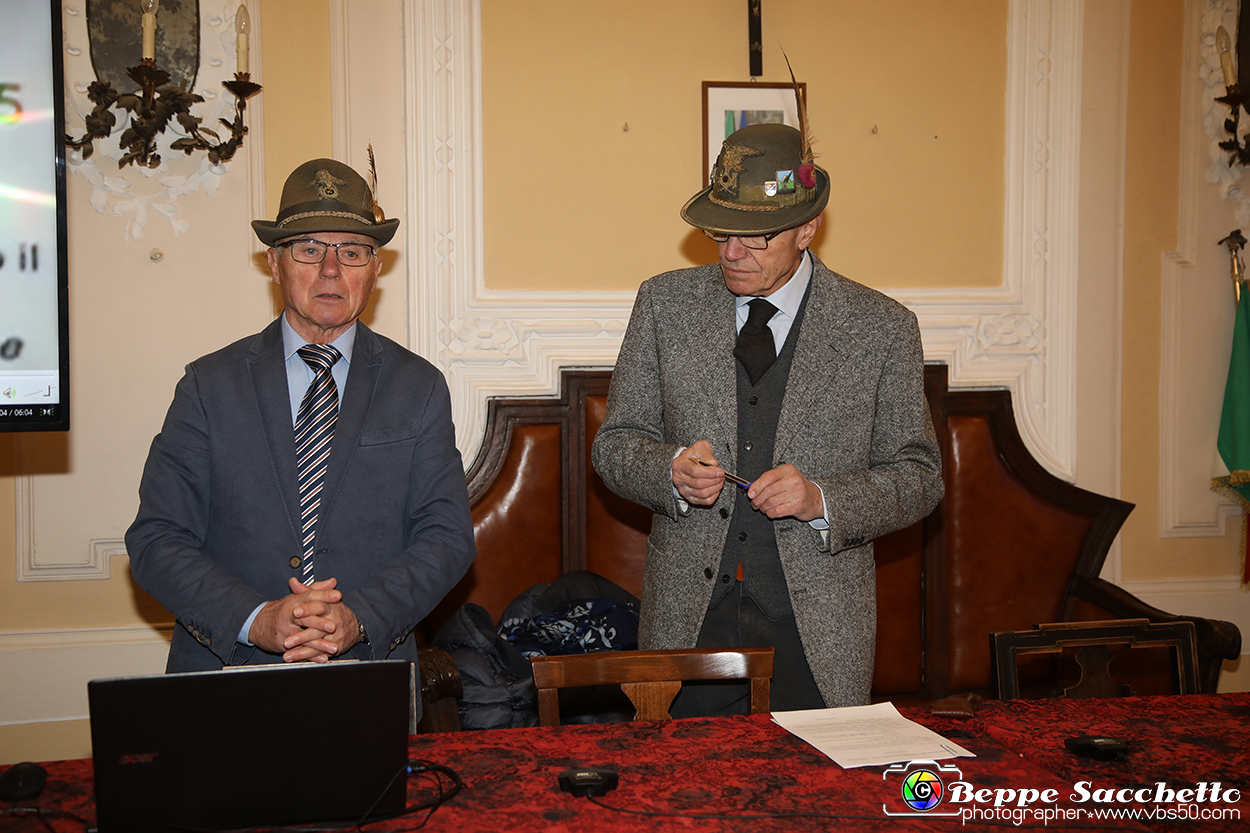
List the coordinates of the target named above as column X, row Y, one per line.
column 149, row 8
column 1224, row 45
column 242, row 25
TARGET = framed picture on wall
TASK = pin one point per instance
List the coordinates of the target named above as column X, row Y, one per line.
column 730, row 105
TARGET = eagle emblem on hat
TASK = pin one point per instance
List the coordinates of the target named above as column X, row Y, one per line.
column 326, row 184
column 729, row 165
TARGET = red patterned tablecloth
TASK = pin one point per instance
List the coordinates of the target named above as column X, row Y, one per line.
column 741, row 768
column 747, row 766
column 1181, row 742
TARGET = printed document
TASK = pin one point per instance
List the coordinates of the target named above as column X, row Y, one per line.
column 868, row 735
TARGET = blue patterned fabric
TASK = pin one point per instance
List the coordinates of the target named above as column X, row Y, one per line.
column 576, row 627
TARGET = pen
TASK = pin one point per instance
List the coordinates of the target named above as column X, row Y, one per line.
column 730, row 476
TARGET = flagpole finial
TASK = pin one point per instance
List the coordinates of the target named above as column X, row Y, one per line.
column 1236, row 241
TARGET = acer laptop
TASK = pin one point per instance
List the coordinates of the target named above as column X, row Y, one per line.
column 261, row 745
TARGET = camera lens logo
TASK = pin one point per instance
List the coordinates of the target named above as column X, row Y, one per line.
column 922, row 790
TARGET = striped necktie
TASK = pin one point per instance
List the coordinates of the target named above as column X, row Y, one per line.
column 314, row 431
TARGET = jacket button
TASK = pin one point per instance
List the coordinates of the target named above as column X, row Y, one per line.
column 742, row 536
column 751, row 400
column 724, row 513
column 294, row 562
column 724, row 579
column 748, row 445
column 707, row 573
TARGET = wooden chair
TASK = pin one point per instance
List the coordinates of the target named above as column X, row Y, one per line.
column 1092, row 641
column 441, row 688
column 651, row 679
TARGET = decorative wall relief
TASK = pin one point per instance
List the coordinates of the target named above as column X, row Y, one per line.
column 1020, row 335
column 1019, row 332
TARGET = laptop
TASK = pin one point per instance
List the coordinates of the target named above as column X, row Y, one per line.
column 224, row 749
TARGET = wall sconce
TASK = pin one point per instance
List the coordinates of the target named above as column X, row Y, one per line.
column 1238, row 151
column 157, row 103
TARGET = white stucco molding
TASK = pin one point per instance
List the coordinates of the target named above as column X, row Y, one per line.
column 44, row 673
column 1020, row 335
column 1207, row 517
column 42, row 564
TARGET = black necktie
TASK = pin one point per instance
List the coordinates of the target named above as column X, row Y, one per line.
column 755, row 347
column 314, row 430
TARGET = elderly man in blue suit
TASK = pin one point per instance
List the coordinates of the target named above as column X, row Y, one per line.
column 810, row 388
column 304, row 499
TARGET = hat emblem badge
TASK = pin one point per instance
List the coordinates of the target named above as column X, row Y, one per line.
column 327, row 185
column 730, row 165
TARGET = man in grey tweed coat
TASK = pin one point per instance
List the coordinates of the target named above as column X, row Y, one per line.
column 815, row 397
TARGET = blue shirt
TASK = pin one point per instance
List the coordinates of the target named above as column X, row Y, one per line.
column 298, row 377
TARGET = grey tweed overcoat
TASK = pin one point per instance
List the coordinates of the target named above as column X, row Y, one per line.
column 854, row 420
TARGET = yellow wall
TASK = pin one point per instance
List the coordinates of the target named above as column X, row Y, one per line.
column 296, row 39
column 908, row 110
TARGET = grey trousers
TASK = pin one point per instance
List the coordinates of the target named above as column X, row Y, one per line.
column 738, row 622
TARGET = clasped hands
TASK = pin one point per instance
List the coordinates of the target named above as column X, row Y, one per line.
column 310, row 625
column 778, row 493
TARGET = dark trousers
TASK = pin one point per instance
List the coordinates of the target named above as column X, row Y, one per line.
column 738, row 622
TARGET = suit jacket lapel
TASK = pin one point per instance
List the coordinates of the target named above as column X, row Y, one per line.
column 825, row 341
column 267, row 372
column 362, row 380
column 709, row 334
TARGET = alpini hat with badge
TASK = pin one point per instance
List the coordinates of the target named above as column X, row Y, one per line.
column 326, row 195
column 764, row 181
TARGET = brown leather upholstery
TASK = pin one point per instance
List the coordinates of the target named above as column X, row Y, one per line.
column 999, row 534
column 539, row 509
column 518, row 529
column 1009, row 546
column 616, row 529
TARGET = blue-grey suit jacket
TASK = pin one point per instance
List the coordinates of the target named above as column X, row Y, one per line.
column 217, row 527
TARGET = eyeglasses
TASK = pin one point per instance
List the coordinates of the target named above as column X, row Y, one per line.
column 308, row 250
column 751, row 241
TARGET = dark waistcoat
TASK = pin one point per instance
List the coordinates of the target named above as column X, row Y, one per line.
column 752, row 541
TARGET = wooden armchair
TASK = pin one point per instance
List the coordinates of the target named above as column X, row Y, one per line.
column 1009, row 546
column 441, row 687
column 1092, row 642
column 650, row 679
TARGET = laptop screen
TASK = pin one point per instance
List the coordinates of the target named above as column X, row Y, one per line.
column 249, row 747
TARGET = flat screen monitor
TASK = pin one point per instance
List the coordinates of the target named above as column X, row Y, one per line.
column 34, row 333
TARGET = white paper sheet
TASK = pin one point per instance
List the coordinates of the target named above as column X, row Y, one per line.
column 868, row 735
